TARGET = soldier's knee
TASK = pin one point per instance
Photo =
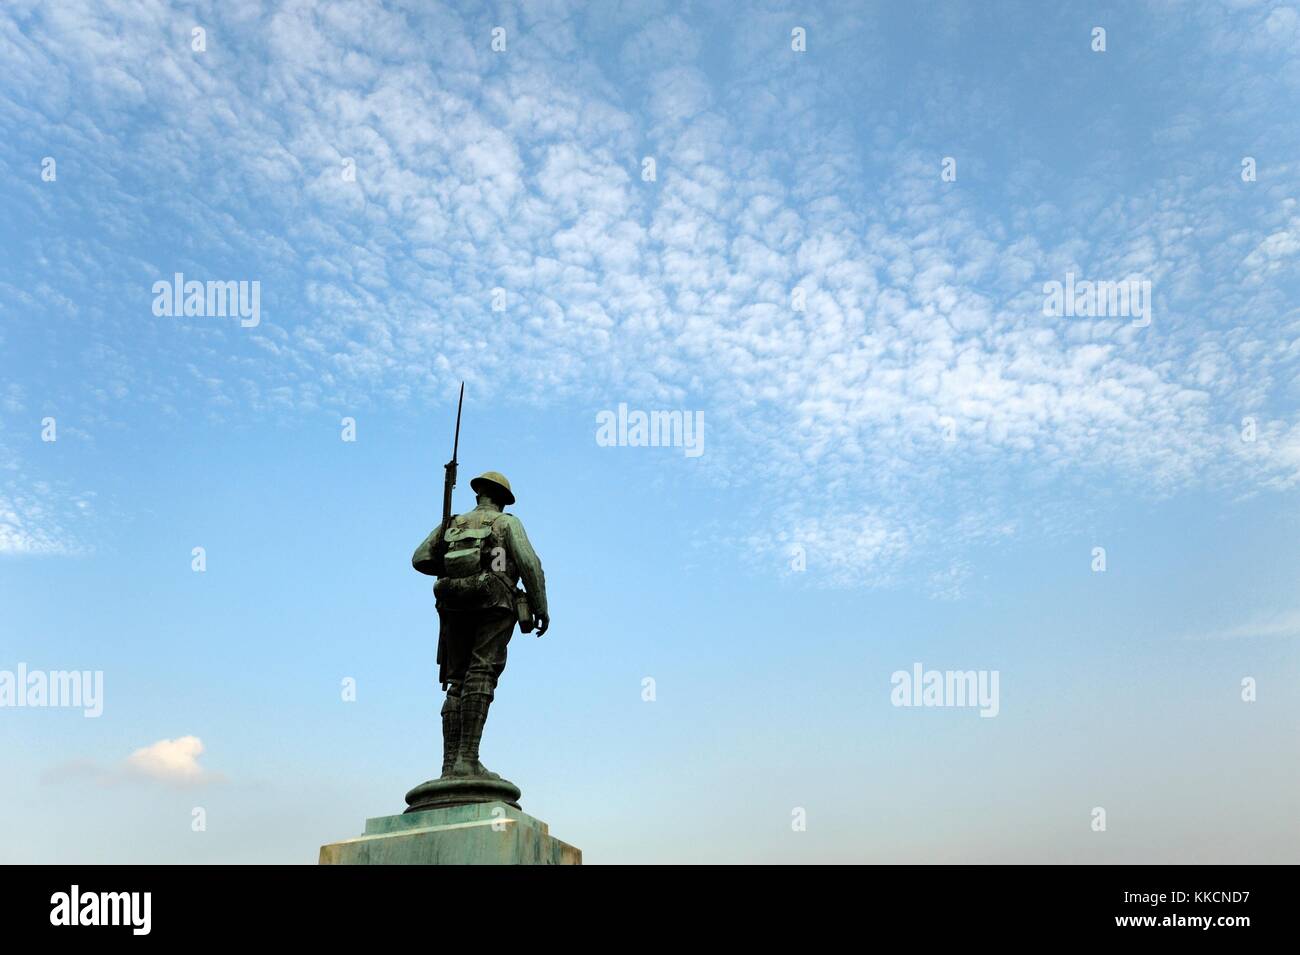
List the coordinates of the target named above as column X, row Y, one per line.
column 482, row 684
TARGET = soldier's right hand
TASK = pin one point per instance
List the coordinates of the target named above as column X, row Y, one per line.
column 543, row 622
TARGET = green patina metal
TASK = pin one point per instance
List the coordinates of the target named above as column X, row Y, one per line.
column 480, row 559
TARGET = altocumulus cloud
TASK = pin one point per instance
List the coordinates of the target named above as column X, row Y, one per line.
column 920, row 368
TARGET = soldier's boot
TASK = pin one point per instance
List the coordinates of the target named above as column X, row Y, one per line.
column 473, row 714
column 450, row 733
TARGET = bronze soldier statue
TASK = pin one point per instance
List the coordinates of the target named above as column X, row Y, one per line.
column 478, row 561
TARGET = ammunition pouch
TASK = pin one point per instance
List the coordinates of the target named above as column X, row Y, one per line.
column 466, row 593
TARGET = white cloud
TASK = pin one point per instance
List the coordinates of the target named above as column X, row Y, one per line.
column 39, row 519
column 173, row 761
column 522, row 171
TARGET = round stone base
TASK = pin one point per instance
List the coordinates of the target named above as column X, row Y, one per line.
column 461, row 791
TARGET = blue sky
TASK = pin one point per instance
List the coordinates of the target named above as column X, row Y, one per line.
column 914, row 467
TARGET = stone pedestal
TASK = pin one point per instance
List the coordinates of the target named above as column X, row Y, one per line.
column 480, row 833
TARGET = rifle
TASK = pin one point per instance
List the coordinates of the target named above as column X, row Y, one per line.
column 440, row 548
column 449, row 481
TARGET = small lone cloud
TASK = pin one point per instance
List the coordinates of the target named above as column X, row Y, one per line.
column 174, row 762
column 170, row 761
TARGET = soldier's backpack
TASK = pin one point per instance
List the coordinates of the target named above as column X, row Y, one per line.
column 466, row 546
column 468, row 581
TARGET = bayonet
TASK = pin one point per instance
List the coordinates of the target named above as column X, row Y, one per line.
column 449, row 481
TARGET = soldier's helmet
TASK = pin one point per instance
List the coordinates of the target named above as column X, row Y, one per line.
column 495, row 484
